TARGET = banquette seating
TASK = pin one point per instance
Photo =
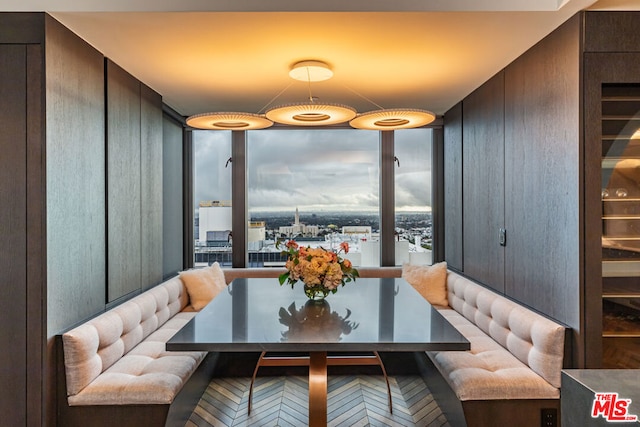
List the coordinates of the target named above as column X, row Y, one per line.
column 114, row 369
column 511, row 374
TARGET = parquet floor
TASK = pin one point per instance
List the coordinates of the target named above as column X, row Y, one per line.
column 353, row 400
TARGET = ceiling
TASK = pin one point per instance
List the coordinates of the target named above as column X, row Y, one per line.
column 234, row 55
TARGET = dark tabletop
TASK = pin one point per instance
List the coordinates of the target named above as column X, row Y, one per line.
column 370, row 314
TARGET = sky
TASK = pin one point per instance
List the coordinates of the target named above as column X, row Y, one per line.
column 314, row 170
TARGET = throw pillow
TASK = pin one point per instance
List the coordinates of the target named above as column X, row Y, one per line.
column 429, row 281
column 203, row 284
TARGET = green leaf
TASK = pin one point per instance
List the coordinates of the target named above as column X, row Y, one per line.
column 283, row 278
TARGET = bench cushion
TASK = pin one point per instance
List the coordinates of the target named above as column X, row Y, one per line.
column 148, row 374
column 95, row 346
column 487, row 371
column 533, row 339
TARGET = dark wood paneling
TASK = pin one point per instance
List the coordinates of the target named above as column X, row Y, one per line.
column 36, row 248
column 151, row 186
column 13, row 243
column 22, row 27
column 542, row 176
column 611, row 31
column 123, row 183
column 599, row 68
column 483, row 183
column 172, row 237
column 453, row 187
column 75, row 181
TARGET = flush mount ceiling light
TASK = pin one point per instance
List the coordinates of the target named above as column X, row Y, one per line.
column 229, row 121
column 392, row 119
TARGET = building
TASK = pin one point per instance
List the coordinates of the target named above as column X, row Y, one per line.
column 67, row 168
column 298, row 228
column 214, row 216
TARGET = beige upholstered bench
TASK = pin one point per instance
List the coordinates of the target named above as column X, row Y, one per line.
column 511, row 374
column 116, row 371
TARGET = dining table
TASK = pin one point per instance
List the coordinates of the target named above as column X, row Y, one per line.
column 366, row 315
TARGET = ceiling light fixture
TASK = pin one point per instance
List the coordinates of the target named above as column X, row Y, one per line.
column 392, row 119
column 311, row 113
column 314, row 113
column 228, row 121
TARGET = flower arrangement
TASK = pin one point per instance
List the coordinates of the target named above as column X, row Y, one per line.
column 321, row 270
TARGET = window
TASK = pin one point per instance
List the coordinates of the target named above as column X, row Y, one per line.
column 319, row 186
column 413, row 149
column 212, row 197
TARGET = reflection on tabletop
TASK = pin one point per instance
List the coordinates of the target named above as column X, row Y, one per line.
column 314, row 321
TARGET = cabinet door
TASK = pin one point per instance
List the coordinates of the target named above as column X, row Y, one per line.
column 621, row 225
column 612, row 209
column 13, row 240
column 483, row 183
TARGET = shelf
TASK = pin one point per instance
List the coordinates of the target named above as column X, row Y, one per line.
column 620, row 268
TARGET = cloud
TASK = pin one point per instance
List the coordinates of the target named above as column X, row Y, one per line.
column 315, row 170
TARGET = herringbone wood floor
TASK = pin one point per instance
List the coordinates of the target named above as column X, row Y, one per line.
column 352, row 401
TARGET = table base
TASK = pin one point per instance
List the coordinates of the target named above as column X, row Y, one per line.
column 317, row 361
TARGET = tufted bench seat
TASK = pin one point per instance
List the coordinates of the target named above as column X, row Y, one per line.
column 116, row 369
column 511, row 374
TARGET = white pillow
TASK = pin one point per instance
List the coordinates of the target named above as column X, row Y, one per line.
column 429, row 281
column 203, row 284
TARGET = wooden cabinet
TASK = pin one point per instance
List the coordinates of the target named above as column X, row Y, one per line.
column 483, row 183
column 620, row 194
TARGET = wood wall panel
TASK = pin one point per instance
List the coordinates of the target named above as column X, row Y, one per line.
column 13, row 240
column 123, row 183
column 36, row 249
column 453, row 207
column 611, row 31
column 172, row 197
column 542, row 169
column 483, row 183
column 151, row 186
column 75, row 179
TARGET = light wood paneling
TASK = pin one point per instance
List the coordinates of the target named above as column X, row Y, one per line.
column 123, row 183
column 151, row 186
column 483, row 183
column 453, row 207
column 13, row 222
column 75, row 178
column 542, row 169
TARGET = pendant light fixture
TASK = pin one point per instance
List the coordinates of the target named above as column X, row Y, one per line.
column 392, row 119
column 314, row 113
column 311, row 113
column 228, row 121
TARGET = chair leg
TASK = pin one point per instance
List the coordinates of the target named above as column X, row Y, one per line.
column 253, row 378
column 384, row 372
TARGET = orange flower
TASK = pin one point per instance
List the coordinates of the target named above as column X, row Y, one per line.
column 292, row 244
column 345, row 247
column 346, row 263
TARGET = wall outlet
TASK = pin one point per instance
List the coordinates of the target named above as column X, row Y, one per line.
column 549, row 417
